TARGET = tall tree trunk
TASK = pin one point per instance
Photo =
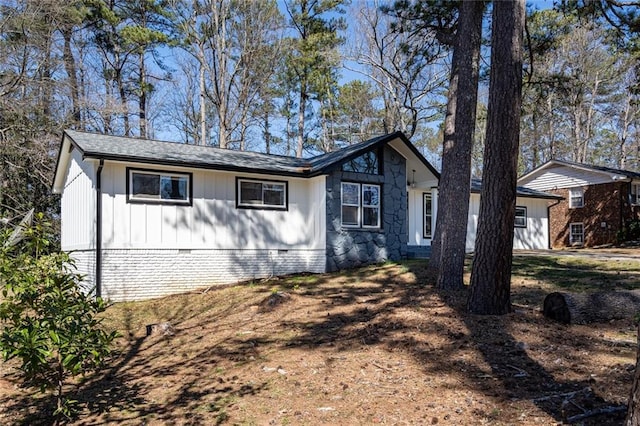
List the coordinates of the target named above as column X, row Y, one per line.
column 203, row 97
column 200, row 56
column 491, row 273
column 69, row 66
column 453, row 199
column 123, row 100
column 633, row 411
column 301, row 109
column 622, row 162
column 267, row 133
column 142, row 101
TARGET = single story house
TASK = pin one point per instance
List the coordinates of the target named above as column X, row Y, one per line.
column 145, row 218
column 597, row 202
column 531, row 224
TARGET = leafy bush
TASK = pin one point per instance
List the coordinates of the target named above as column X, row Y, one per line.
column 47, row 322
column 634, row 230
column 630, row 231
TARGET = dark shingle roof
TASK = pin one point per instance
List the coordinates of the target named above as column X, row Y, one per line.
column 521, row 191
column 118, row 148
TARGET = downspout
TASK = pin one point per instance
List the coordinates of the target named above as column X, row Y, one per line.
column 98, row 279
column 549, row 224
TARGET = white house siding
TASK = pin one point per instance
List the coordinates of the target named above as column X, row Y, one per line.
column 78, row 217
column 416, row 212
column 534, row 237
column 213, row 222
column 560, row 176
column 164, row 249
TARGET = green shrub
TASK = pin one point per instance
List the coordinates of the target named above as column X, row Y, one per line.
column 47, row 322
column 630, row 231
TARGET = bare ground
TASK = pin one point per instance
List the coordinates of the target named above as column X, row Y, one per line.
column 374, row 346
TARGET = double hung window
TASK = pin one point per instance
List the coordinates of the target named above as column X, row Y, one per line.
column 576, row 198
column 520, row 220
column 576, row 234
column 360, row 205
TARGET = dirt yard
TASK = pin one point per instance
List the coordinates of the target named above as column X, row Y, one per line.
column 374, row 346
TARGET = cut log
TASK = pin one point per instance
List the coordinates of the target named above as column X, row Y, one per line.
column 584, row 308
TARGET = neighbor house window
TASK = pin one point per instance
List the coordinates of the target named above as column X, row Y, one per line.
column 576, row 234
column 261, row 194
column 368, row 163
column 635, row 193
column 521, row 217
column 428, row 214
column 576, row 198
column 360, row 205
column 151, row 186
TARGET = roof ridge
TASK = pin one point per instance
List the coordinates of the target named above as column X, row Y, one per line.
column 216, row 148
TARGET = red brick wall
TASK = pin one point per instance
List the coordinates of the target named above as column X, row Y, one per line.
column 608, row 203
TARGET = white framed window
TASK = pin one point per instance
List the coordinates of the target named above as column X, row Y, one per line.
column 576, row 198
column 158, row 187
column 635, row 194
column 520, row 220
column 261, row 194
column 350, row 200
column 370, row 206
column 576, row 233
column 427, row 218
column 360, row 205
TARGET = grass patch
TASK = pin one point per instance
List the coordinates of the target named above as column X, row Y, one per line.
column 576, row 274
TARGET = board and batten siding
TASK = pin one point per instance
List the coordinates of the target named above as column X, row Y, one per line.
column 213, row 221
column 151, row 250
column 78, row 205
column 78, row 217
column 560, row 176
column 534, row 237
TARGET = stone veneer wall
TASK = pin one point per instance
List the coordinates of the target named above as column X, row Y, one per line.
column 349, row 247
column 603, row 203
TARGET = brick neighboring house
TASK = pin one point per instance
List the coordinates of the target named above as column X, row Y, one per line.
column 598, row 202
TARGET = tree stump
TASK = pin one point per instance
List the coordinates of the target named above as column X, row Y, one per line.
column 585, row 308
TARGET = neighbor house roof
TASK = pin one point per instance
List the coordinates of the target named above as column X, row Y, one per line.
column 521, row 191
column 119, row 148
column 615, row 174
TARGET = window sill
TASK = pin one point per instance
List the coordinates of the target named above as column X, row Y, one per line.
column 360, row 229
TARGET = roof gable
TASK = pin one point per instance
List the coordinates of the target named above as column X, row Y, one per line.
column 556, row 174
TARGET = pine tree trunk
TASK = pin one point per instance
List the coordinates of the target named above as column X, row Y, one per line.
column 302, row 106
column 69, row 66
column 202, row 95
column 448, row 249
column 633, row 411
column 491, row 273
column 142, row 100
